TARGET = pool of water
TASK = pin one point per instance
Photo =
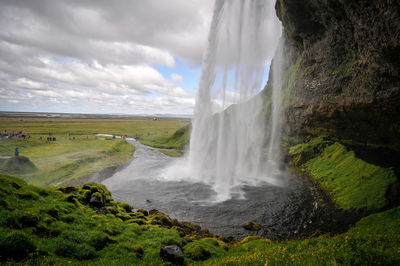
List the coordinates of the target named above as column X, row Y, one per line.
column 282, row 211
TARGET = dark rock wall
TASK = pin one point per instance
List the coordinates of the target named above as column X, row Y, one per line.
column 347, row 80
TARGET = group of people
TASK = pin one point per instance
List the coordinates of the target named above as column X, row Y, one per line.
column 15, row 134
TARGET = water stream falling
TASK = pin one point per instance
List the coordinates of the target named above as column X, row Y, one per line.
column 232, row 141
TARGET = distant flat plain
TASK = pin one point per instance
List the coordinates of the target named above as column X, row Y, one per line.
column 77, row 151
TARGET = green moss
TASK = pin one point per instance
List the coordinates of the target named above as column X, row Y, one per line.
column 126, row 207
column 204, row 249
column 28, row 195
column 29, row 218
column 76, row 251
column 139, row 250
column 15, row 245
column 346, row 66
column 302, row 153
column 195, row 251
column 247, row 239
column 289, row 83
column 353, row 183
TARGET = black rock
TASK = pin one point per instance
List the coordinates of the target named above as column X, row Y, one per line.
column 86, row 186
column 71, row 198
column 96, row 202
column 172, row 254
column 67, row 189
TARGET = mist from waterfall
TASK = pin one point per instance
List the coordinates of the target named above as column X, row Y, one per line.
column 235, row 135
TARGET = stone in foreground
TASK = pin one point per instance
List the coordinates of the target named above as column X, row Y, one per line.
column 172, row 254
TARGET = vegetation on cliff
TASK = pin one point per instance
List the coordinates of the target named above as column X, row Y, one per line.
column 347, row 83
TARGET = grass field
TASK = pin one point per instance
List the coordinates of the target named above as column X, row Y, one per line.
column 77, row 152
column 146, row 128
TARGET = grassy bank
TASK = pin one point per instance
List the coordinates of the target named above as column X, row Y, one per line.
column 171, row 153
column 64, row 159
column 178, row 140
column 60, row 226
column 351, row 182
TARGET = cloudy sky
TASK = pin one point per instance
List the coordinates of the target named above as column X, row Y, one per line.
column 132, row 57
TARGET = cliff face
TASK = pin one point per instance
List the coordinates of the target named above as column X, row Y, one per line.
column 344, row 78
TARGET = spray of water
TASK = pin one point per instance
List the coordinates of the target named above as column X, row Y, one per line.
column 234, row 141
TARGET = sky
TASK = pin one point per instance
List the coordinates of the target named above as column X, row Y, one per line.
column 104, row 56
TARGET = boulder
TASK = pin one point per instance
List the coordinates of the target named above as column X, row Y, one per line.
column 252, row 226
column 172, row 254
column 87, row 186
column 96, row 201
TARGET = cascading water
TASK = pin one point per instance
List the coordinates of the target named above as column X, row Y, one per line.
column 236, row 145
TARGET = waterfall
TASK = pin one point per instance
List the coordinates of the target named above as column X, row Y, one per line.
column 235, row 137
column 232, row 141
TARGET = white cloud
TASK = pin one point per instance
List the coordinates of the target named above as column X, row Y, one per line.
column 176, row 78
column 102, row 56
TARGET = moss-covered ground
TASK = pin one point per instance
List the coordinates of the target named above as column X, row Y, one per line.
column 63, row 225
column 351, row 182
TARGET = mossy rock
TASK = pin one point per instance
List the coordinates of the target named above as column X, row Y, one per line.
column 139, row 250
column 27, row 195
column 29, row 219
column 126, row 206
column 136, row 221
column 53, row 212
column 67, row 189
column 143, row 211
column 197, row 252
column 123, row 216
column 252, row 226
